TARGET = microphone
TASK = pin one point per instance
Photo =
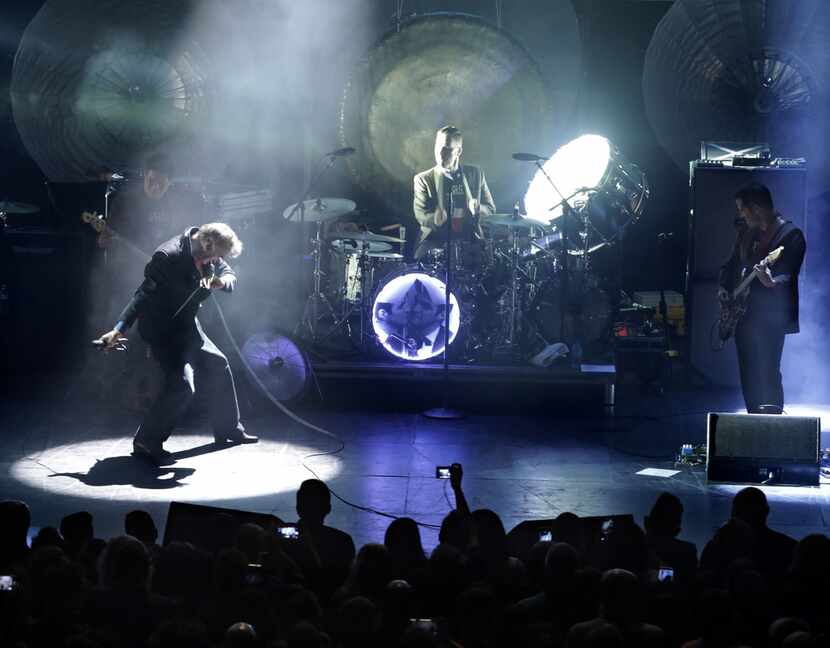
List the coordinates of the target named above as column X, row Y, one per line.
column 528, row 157
column 343, row 152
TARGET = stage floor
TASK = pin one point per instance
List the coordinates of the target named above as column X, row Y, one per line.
column 61, row 455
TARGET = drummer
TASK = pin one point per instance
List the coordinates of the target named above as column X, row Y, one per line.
column 449, row 183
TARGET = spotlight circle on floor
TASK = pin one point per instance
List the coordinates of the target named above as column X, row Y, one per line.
column 577, row 168
column 408, row 316
column 104, row 468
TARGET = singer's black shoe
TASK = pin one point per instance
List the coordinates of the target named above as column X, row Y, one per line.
column 157, row 456
column 235, row 438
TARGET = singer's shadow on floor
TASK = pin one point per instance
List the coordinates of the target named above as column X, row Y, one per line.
column 133, row 471
column 130, row 471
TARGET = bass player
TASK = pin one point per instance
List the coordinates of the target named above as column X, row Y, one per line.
column 772, row 303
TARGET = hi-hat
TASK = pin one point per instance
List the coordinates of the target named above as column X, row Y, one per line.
column 366, row 237
column 320, row 209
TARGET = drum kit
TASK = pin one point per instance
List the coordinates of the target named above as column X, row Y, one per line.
column 531, row 281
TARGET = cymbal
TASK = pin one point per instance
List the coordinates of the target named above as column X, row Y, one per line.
column 509, row 221
column 320, row 209
column 350, row 246
column 9, row 207
column 366, row 237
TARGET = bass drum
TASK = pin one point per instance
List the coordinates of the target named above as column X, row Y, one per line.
column 585, row 317
column 408, row 315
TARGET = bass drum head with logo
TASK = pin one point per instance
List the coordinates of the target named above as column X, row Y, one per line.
column 408, row 315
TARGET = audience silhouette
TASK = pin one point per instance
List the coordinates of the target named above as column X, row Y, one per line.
column 628, row 587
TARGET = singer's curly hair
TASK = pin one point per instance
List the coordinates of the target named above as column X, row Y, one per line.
column 222, row 236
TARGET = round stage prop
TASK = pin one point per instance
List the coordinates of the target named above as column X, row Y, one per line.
column 97, row 83
column 742, row 73
column 279, row 364
column 408, row 316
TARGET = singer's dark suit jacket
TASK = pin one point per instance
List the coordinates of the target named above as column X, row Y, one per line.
column 169, row 279
column 429, row 193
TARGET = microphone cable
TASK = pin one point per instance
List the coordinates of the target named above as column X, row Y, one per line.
column 305, row 423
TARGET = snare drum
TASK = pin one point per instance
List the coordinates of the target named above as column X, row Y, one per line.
column 355, row 273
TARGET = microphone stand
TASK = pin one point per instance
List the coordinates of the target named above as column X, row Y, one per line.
column 445, row 412
column 107, row 193
column 567, row 213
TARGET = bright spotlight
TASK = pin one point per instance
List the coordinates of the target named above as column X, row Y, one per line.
column 576, row 169
column 408, row 316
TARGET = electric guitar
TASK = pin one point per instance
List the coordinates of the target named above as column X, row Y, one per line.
column 99, row 224
column 733, row 308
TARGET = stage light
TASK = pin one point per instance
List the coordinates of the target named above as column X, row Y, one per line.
column 576, row 169
column 408, row 316
column 104, row 469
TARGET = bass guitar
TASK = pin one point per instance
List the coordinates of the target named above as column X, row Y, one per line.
column 99, row 224
column 733, row 307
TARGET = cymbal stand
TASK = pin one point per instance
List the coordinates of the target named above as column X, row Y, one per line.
column 310, row 315
column 567, row 213
column 513, row 326
column 311, row 312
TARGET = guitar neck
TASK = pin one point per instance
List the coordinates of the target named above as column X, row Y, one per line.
column 743, row 285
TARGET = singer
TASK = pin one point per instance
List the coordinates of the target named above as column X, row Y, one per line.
column 179, row 276
column 466, row 184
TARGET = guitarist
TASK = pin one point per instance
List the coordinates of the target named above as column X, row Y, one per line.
column 143, row 211
column 772, row 304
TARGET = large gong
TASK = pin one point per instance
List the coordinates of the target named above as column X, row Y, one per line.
column 98, row 81
column 445, row 69
column 742, row 71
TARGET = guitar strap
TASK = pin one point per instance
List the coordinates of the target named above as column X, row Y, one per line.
column 782, row 232
column 785, row 229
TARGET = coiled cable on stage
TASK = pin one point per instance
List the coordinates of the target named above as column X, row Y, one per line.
column 299, row 419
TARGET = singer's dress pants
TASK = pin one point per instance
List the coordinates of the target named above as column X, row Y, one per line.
column 192, row 364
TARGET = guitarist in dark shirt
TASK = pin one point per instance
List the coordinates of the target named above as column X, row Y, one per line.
column 772, row 304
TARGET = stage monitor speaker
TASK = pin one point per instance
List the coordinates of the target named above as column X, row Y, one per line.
column 763, row 449
column 711, row 238
column 209, row 527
